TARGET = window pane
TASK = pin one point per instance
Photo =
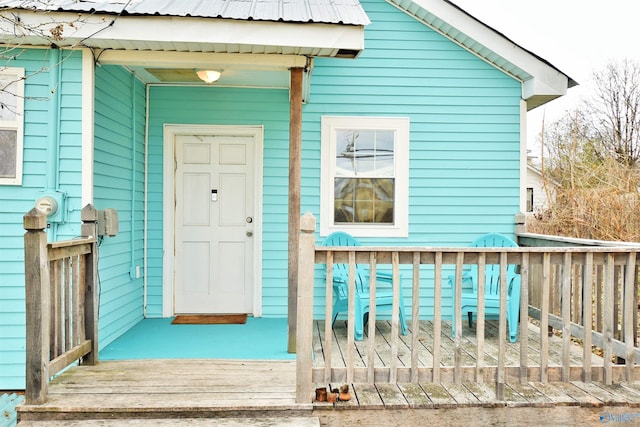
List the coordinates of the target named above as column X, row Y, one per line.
column 8, row 99
column 8, row 147
column 362, row 152
column 529, row 199
column 364, row 200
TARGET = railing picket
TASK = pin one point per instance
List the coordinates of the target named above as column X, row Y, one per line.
column 598, row 297
column 67, row 301
column 328, row 322
column 502, row 328
column 415, row 317
column 566, row 316
column 544, row 317
column 480, row 322
column 587, row 316
column 607, row 303
column 457, row 315
column 395, row 314
column 75, row 338
column 437, row 316
column 56, row 272
column 630, row 304
column 524, row 319
column 351, row 317
column 82, row 271
column 616, row 300
column 371, row 355
column 575, row 293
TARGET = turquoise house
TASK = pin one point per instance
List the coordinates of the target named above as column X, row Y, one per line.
column 405, row 119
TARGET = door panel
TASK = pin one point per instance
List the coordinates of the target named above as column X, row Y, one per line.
column 214, row 244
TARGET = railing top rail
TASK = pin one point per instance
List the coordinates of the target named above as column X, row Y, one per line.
column 73, row 242
column 551, row 240
column 520, row 249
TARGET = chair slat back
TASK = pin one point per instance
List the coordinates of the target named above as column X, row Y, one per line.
column 340, row 238
column 492, row 271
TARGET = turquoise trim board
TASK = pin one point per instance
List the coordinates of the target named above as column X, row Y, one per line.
column 38, row 175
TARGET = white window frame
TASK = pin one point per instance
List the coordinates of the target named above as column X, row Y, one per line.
column 329, row 127
column 13, row 74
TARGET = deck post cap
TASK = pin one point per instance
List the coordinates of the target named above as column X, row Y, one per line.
column 307, row 223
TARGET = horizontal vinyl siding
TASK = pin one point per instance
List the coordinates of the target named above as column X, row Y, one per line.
column 226, row 106
column 464, row 133
column 40, row 97
column 119, row 184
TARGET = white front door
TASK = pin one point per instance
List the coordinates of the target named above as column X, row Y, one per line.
column 214, row 223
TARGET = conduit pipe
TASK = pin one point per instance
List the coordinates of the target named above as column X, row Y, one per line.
column 53, row 134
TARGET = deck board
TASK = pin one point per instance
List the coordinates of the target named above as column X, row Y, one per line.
column 183, row 388
column 415, row 396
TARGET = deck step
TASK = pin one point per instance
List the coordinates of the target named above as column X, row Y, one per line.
column 177, row 422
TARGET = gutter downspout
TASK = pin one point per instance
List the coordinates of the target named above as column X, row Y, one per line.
column 53, row 149
column 133, row 273
column 146, row 205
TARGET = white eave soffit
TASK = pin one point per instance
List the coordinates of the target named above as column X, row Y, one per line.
column 541, row 81
column 185, row 34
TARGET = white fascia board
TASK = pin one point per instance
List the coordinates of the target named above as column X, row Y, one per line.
column 101, row 30
column 544, row 81
column 201, row 60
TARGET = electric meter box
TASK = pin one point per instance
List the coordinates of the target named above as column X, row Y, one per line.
column 53, row 205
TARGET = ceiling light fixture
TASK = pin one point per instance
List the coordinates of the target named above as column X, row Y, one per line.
column 208, row 76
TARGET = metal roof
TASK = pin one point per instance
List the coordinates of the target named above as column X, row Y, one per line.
column 346, row 12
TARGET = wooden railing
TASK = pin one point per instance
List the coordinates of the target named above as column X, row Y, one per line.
column 570, row 289
column 61, row 301
column 603, row 295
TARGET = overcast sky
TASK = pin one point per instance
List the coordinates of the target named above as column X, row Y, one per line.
column 576, row 36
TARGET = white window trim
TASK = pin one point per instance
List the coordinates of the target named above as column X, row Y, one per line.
column 17, row 124
column 400, row 125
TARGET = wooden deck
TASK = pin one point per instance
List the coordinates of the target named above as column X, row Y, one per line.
column 446, row 353
column 171, row 388
column 201, row 389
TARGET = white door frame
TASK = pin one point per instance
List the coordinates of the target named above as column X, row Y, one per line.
column 168, row 217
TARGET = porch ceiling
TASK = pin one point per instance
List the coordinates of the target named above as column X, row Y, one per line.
column 238, row 70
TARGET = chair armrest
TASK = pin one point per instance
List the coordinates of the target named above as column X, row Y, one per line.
column 514, row 284
column 340, row 277
column 465, row 279
column 384, row 278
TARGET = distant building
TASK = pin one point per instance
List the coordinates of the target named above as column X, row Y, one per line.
column 541, row 191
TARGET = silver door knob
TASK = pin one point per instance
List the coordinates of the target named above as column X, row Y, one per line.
column 249, row 233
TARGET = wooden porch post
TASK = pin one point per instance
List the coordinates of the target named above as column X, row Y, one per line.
column 38, row 307
column 295, row 150
column 89, row 218
column 305, row 309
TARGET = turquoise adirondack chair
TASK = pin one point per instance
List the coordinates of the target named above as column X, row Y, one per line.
column 384, row 291
column 492, row 287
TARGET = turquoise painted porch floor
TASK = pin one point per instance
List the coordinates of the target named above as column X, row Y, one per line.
column 258, row 339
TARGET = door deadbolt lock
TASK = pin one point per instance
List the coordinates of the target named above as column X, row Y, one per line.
column 249, row 220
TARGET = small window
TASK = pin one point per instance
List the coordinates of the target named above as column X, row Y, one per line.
column 529, row 199
column 11, row 125
column 365, row 175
